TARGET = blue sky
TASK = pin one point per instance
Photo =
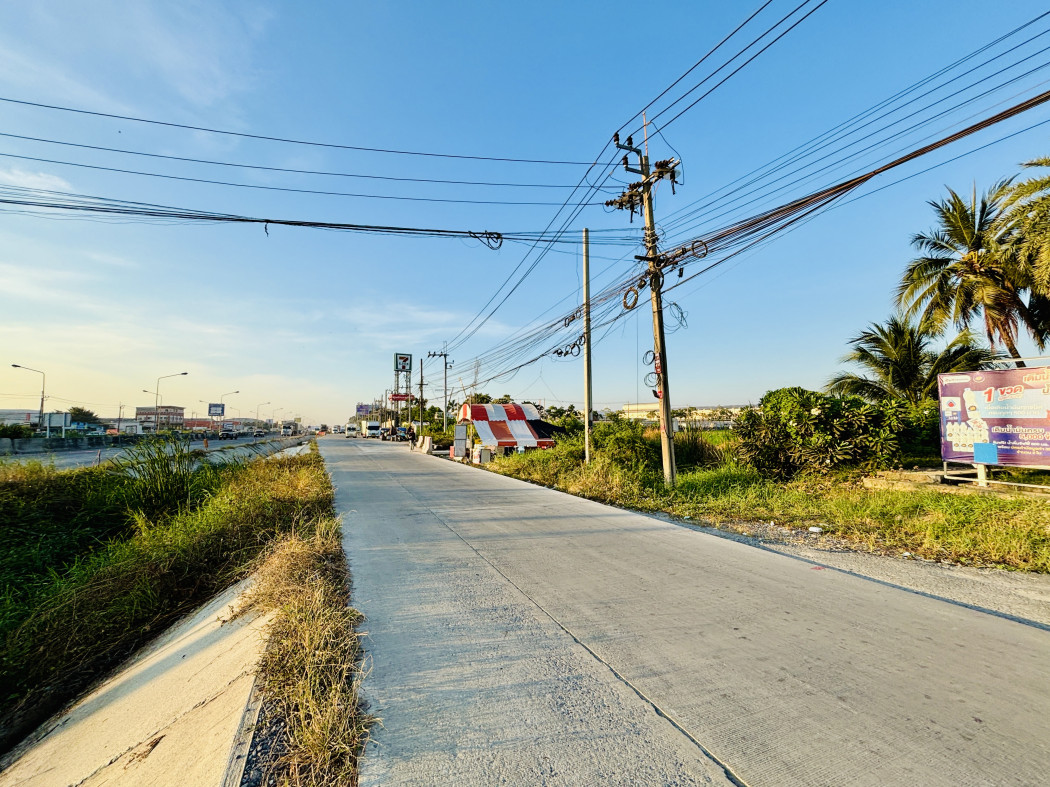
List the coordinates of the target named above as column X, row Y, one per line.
column 308, row 320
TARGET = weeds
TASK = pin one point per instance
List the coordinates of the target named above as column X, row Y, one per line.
column 311, row 669
column 52, row 521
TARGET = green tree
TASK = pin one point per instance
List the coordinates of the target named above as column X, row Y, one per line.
column 901, row 363
column 1027, row 215
column 81, row 415
column 970, row 270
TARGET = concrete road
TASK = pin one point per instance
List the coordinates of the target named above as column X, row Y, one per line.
column 519, row 635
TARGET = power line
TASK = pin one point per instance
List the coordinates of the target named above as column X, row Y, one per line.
column 287, row 140
column 260, row 167
column 467, row 332
column 286, row 189
column 781, row 170
column 737, row 239
column 695, row 65
column 839, row 131
column 742, row 65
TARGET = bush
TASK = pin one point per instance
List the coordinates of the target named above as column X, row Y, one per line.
column 796, row 430
column 16, row 431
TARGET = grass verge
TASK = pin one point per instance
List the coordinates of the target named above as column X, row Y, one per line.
column 1001, row 530
column 101, row 608
column 310, row 672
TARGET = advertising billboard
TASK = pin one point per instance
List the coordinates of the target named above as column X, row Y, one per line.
column 216, row 409
column 363, row 410
column 996, row 417
column 402, row 362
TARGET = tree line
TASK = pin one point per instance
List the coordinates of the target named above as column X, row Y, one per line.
column 983, row 270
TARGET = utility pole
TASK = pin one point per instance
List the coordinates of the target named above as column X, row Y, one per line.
column 420, row 395
column 444, row 356
column 639, row 195
column 586, row 347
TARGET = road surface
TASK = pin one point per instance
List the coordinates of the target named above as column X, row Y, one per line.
column 520, row 635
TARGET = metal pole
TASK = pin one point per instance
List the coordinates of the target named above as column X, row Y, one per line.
column 586, row 347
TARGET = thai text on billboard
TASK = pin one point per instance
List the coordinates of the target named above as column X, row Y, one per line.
column 217, row 408
column 364, row 409
column 996, row 417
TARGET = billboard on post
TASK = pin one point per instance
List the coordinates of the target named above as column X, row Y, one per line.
column 216, row 409
column 363, row 410
column 996, row 417
column 402, row 362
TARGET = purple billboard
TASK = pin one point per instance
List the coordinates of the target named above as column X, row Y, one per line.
column 996, row 418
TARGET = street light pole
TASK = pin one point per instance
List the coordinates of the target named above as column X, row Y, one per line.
column 43, row 385
column 156, row 400
column 257, row 412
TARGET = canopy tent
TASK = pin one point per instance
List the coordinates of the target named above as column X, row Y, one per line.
column 507, row 425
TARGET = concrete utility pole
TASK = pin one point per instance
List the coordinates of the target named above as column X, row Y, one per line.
column 420, row 394
column 586, row 347
column 43, row 385
column 640, row 195
column 444, row 356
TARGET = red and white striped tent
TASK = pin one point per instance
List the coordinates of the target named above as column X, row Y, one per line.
column 507, row 425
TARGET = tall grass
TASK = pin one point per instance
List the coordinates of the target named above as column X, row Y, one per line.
column 52, row 520
column 103, row 606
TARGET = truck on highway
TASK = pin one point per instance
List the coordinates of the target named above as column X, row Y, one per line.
column 228, row 432
column 370, row 429
column 290, row 429
column 351, row 429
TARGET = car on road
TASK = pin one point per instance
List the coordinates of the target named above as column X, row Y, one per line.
column 259, row 433
column 227, row 434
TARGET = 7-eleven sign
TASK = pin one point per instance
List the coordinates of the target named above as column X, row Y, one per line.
column 402, row 362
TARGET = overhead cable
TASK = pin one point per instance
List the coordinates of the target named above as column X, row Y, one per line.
column 287, row 140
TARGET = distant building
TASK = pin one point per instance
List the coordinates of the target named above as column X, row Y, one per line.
column 13, row 417
column 170, row 417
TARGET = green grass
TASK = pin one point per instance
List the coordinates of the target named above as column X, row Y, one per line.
column 51, row 520
column 99, row 608
column 990, row 530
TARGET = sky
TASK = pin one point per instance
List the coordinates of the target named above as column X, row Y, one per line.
column 305, row 321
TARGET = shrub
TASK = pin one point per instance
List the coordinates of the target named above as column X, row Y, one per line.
column 16, row 431
column 796, row 430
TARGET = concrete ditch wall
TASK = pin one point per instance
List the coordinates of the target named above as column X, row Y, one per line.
column 43, row 445
column 39, row 445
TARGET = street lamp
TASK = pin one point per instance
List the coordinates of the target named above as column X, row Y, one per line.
column 156, row 399
column 257, row 411
column 43, row 385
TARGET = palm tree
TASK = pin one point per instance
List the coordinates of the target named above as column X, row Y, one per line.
column 1027, row 213
column 969, row 269
column 901, row 363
